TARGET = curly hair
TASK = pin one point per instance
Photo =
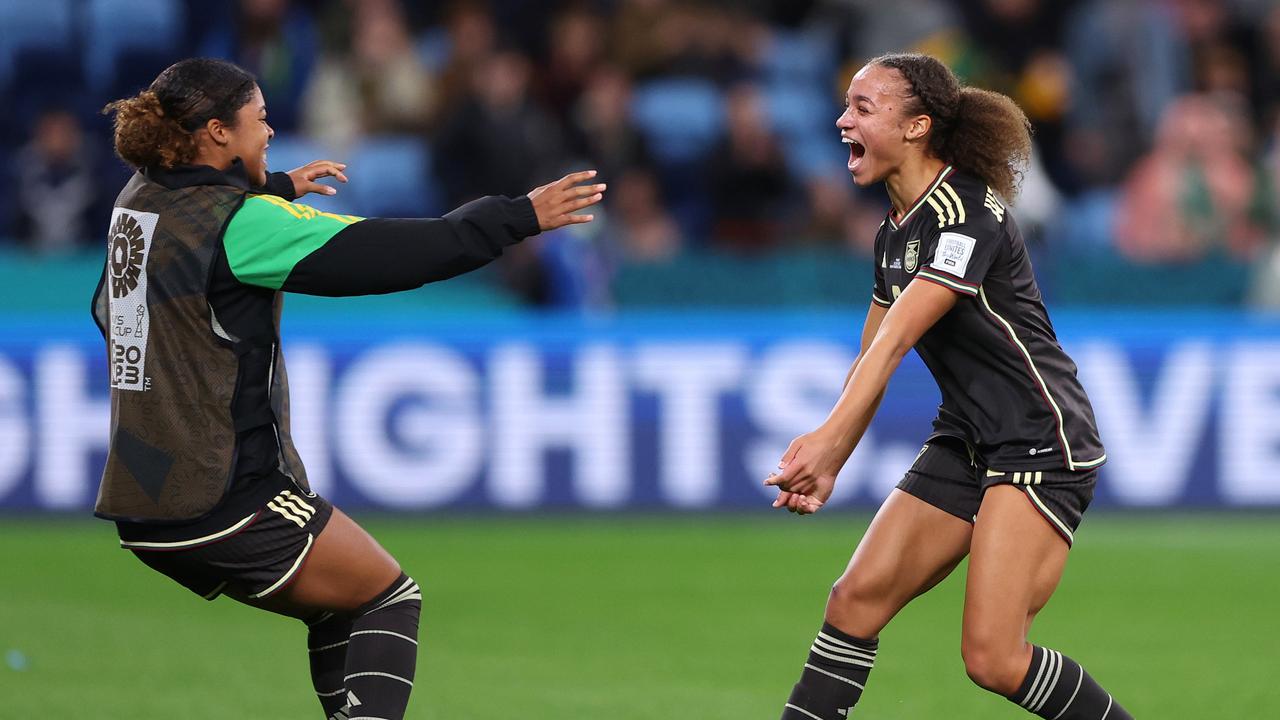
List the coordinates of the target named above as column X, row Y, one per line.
column 156, row 127
column 978, row 131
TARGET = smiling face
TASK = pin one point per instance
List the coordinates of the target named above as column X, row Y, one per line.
column 251, row 135
column 876, row 128
column 246, row 139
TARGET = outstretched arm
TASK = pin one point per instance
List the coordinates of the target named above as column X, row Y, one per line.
column 809, row 467
column 285, row 246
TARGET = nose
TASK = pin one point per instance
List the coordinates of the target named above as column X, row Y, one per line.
column 845, row 121
column 271, row 132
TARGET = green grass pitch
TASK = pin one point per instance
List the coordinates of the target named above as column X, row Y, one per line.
column 630, row 617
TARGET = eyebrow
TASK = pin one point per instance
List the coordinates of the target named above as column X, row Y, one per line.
column 863, row 98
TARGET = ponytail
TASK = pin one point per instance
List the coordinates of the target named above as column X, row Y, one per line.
column 991, row 138
column 156, row 128
column 145, row 137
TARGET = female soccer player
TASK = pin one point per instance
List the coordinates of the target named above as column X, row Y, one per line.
column 202, row 477
column 1012, row 461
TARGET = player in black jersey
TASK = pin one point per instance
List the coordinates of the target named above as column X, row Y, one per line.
column 202, row 477
column 1012, row 460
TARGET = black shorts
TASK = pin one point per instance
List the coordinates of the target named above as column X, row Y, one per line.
column 947, row 476
column 253, row 557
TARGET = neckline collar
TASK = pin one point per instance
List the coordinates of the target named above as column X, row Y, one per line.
column 183, row 176
column 937, row 180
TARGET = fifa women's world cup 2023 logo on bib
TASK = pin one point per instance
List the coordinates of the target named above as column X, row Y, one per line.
column 127, row 250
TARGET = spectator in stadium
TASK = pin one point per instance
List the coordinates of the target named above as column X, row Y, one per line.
column 472, row 39
column 202, row 477
column 1010, row 467
column 55, row 179
column 639, row 225
column 575, row 48
column 276, row 41
column 498, row 137
column 601, row 128
column 373, row 83
column 751, row 186
column 1198, row 191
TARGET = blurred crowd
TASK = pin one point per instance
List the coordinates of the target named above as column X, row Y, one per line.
column 1157, row 122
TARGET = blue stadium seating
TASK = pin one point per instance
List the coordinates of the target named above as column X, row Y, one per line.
column 681, row 118
column 46, row 78
column 113, row 27
column 390, row 177
column 290, row 151
column 799, row 57
column 800, row 110
column 33, row 24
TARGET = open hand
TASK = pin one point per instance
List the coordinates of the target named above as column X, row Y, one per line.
column 304, row 178
column 555, row 202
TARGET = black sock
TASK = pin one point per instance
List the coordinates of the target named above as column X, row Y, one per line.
column 382, row 653
column 1056, row 687
column 327, row 650
column 833, row 677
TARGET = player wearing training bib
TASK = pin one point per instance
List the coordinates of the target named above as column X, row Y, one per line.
column 202, row 477
column 1011, row 464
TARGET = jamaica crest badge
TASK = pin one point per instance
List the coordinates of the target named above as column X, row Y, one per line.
column 912, row 259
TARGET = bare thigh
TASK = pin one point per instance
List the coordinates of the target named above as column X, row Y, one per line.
column 345, row 569
column 1015, row 563
column 909, row 547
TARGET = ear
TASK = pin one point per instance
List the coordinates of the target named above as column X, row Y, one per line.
column 918, row 127
column 217, row 131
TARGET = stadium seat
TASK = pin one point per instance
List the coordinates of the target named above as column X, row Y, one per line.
column 46, row 78
column 681, row 118
column 799, row 57
column 135, row 69
column 33, row 24
column 817, row 156
column 115, row 26
column 287, row 152
column 434, row 48
column 390, row 177
column 800, row 110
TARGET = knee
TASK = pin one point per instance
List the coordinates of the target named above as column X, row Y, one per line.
column 856, row 590
column 859, row 604
column 992, row 666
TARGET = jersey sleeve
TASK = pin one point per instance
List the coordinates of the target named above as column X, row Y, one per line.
column 269, row 235
column 280, row 245
column 961, row 250
column 879, row 290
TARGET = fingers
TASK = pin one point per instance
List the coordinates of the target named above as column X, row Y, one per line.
column 783, row 498
column 555, row 204
column 575, row 178
column 325, row 168
column 588, row 201
column 796, row 503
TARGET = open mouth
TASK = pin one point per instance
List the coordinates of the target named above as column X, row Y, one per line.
column 856, row 152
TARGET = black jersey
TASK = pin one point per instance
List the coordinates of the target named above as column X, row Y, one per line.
column 1008, row 389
